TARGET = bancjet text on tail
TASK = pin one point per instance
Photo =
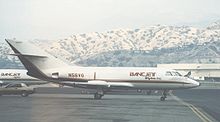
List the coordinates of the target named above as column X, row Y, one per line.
column 44, row 66
column 17, row 76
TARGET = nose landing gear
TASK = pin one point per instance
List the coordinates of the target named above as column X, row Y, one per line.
column 164, row 95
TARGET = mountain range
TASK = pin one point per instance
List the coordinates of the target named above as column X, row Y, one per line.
column 146, row 46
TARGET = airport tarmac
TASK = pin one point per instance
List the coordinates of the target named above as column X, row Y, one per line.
column 206, row 99
column 43, row 106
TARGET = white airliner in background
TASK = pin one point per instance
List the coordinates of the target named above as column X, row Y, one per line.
column 44, row 66
column 14, row 76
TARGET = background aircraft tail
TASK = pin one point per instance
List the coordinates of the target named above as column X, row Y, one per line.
column 35, row 60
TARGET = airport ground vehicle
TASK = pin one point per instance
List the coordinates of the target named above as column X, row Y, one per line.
column 17, row 89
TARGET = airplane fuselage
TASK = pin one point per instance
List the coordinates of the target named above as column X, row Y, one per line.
column 130, row 77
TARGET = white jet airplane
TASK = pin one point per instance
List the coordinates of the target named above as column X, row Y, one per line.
column 46, row 67
column 14, row 76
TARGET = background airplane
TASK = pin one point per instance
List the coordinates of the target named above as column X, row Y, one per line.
column 44, row 66
column 15, row 76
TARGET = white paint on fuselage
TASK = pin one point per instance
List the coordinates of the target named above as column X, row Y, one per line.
column 122, row 75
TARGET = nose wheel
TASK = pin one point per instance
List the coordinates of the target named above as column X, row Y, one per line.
column 164, row 95
column 162, row 98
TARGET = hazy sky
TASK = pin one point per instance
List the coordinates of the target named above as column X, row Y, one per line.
column 57, row 19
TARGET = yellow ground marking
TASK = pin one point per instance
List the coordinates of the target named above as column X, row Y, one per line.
column 195, row 110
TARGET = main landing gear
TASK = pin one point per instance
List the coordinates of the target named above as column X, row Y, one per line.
column 164, row 95
column 98, row 95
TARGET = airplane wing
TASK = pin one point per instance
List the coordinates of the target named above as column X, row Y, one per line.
column 98, row 84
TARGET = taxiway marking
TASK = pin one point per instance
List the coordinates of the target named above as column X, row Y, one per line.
column 195, row 110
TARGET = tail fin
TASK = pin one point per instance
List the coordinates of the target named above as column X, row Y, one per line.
column 34, row 59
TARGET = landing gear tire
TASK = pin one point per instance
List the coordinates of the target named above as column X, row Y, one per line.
column 162, row 98
column 98, row 96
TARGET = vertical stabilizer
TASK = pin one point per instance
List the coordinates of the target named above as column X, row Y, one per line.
column 35, row 60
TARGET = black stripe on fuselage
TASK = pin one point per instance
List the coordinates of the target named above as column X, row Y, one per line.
column 121, row 80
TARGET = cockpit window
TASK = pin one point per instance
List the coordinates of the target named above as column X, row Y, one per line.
column 168, row 73
column 176, row 74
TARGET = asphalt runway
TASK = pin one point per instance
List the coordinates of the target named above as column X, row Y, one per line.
column 206, row 99
column 64, row 106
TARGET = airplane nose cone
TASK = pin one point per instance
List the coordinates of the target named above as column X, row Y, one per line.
column 197, row 84
column 194, row 83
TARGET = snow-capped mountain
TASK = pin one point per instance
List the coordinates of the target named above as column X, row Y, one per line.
column 7, row 61
column 214, row 26
column 139, row 47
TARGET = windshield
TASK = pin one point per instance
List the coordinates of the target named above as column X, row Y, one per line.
column 176, row 74
column 173, row 73
column 168, row 73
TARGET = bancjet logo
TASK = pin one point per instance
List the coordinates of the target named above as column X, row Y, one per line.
column 11, row 74
column 146, row 75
